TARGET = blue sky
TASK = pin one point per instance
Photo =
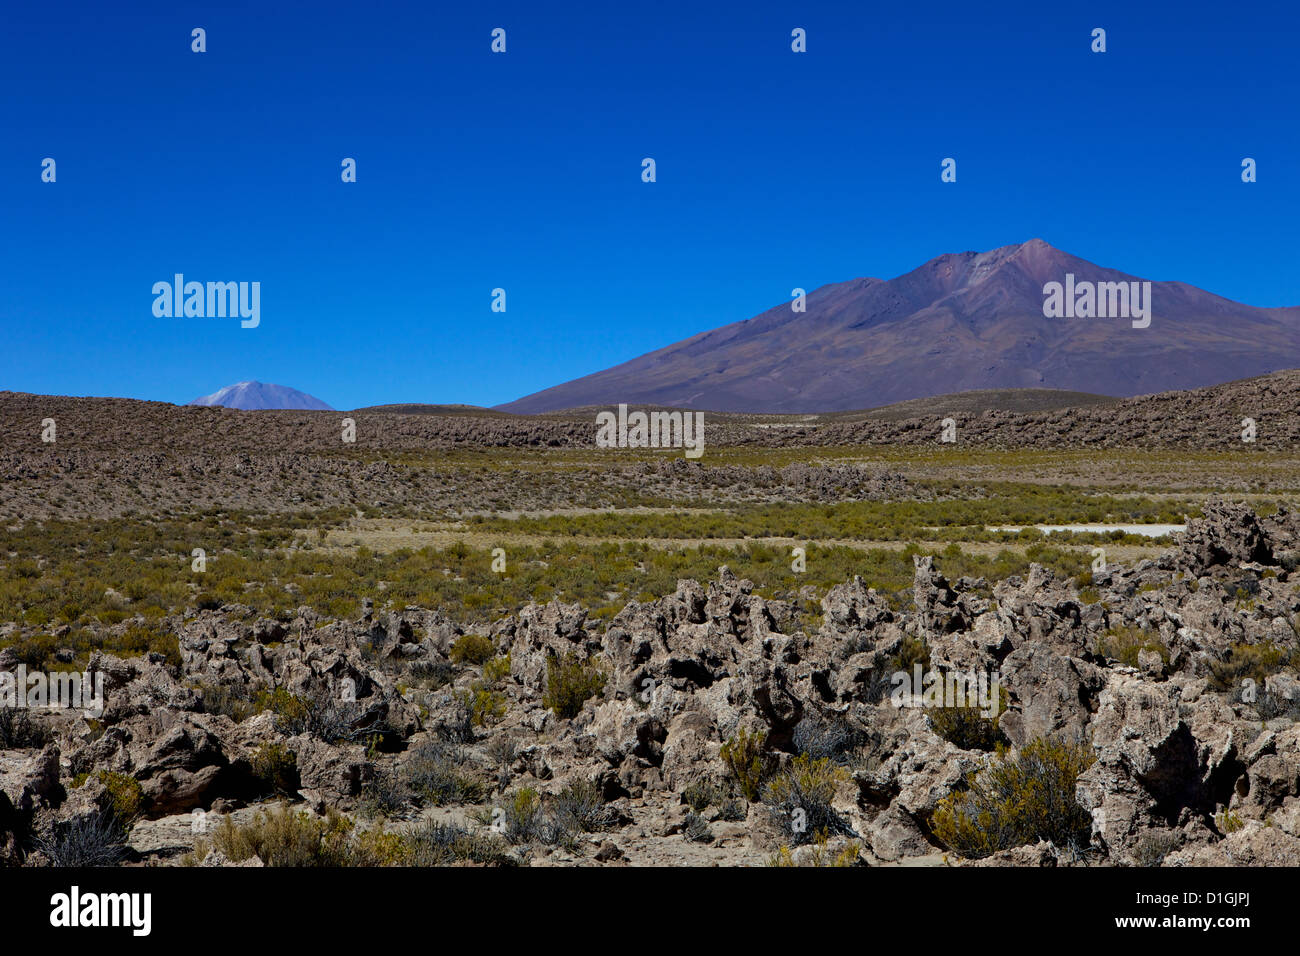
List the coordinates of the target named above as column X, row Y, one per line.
column 523, row 171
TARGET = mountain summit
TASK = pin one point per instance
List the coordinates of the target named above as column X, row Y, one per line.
column 256, row 395
column 971, row 320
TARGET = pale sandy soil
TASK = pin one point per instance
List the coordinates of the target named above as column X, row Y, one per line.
column 384, row 535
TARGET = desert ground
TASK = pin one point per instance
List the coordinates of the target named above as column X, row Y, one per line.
column 467, row 637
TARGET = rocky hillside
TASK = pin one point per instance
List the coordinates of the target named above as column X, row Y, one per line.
column 1200, row 418
column 710, row 725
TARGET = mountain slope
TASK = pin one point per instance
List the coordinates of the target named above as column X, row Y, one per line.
column 959, row 322
column 255, row 396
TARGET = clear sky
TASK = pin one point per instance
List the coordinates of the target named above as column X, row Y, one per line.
column 522, row 171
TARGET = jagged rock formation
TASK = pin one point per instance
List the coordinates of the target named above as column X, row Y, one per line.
column 1196, row 761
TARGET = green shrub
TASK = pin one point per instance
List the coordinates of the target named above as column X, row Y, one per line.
column 291, row 713
column 912, row 651
column 485, row 705
column 497, row 669
column 125, row 795
column 1122, row 644
column 1018, row 801
column 36, row 651
column 743, row 754
column 275, row 767
column 281, row 837
column 1230, row 822
column 818, row 855
column 472, row 649
column 522, row 817
column 1248, row 662
column 378, row 847
column 570, row 682
column 967, row 727
column 147, row 639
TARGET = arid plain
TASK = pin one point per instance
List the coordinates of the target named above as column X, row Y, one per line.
column 472, row 637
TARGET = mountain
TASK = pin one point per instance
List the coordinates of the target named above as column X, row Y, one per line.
column 960, row 322
column 256, row 395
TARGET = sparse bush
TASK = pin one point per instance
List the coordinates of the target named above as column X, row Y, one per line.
column 232, row 700
column 799, row 799
column 333, row 719
column 485, row 705
column 432, row 674
column 522, row 816
column 696, row 829
column 458, row 727
column 1017, row 801
column 497, row 669
column 733, row 810
column 502, row 750
column 577, row 807
column 700, row 795
column 434, row 772
column 832, row 739
column 570, row 683
column 282, row 837
column 1254, row 662
column 472, row 649
column 1154, row 846
column 95, row 840
column 1230, row 822
column 1270, row 705
column 743, row 754
column 525, row 817
column 386, row 793
column 18, row 731
column 438, row 844
column 1122, row 644
column 275, row 767
column 818, row 855
column 912, row 651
